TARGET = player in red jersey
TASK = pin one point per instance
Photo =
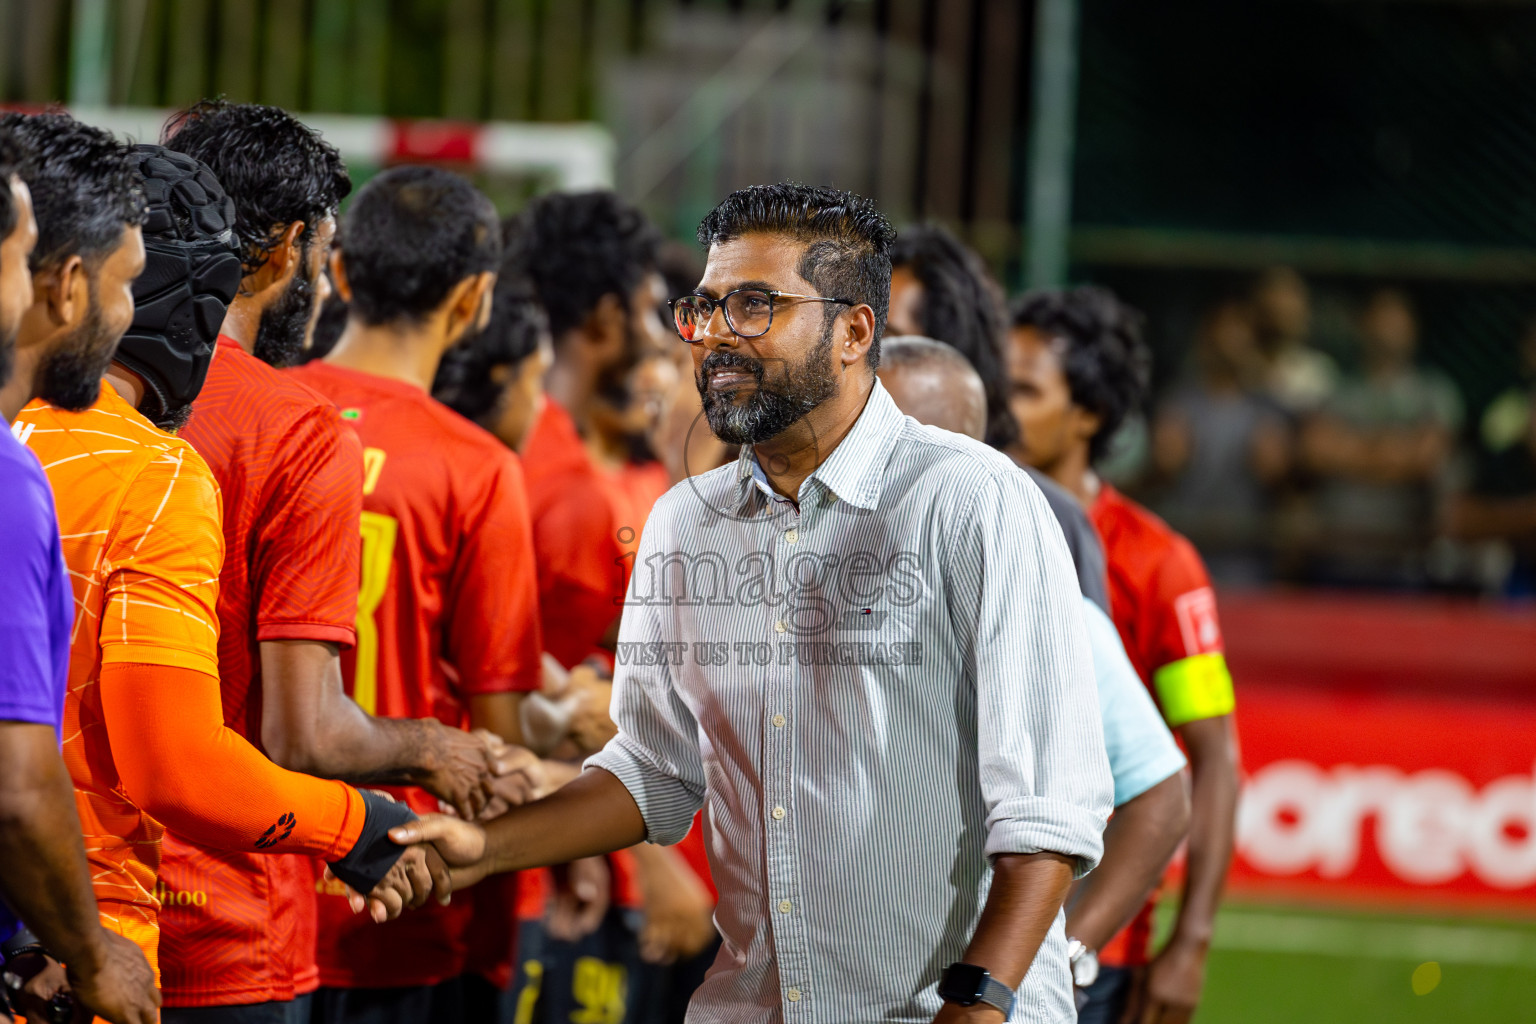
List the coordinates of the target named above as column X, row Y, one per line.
column 594, row 263
column 1077, row 366
column 448, row 608
column 495, row 379
column 290, row 472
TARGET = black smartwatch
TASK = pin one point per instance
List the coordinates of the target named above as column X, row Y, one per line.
column 968, row 985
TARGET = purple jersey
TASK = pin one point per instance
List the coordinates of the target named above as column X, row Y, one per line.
column 37, row 609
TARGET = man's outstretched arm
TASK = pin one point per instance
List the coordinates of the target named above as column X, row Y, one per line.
column 592, row 814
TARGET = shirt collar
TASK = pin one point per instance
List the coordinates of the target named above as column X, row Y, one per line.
column 856, row 468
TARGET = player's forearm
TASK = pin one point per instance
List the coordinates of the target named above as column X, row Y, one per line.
column 1212, row 747
column 46, row 879
column 179, row 762
column 310, row 725
column 592, row 814
column 1138, row 843
column 1027, row 891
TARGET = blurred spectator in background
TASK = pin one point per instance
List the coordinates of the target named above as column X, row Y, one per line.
column 1380, row 446
column 1500, row 506
column 681, row 439
column 940, row 289
column 1296, row 375
column 496, row 377
column 1222, row 445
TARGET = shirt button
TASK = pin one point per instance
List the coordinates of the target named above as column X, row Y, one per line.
column 792, row 535
column 778, row 814
column 779, row 627
column 778, row 721
column 785, row 906
column 793, row 995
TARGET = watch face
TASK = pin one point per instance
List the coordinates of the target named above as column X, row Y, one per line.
column 1085, row 969
column 963, row 984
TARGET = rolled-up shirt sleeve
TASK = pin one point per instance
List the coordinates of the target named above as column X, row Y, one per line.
column 656, row 751
column 1040, row 745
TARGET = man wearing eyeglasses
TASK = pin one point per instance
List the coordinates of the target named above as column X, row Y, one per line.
column 862, row 647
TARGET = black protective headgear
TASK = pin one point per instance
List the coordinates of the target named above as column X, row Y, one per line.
column 191, row 274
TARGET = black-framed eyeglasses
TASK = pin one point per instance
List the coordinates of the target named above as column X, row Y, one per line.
column 748, row 311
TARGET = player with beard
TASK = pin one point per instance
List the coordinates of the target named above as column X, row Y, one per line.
column 447, row 614
column 139, row 514
column 287, row 183
column 46, row 876
column 290, row 472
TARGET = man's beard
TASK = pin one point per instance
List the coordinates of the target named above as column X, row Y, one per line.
column 767, row 411
column 281, row 334
column 70, row 376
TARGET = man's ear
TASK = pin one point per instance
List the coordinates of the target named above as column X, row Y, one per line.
column 339, row 277
column 283, row 260
column 63, row 291
column 857, row 332
column 469, row 306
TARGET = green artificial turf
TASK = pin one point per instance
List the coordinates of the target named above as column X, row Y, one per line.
column 1273, row 965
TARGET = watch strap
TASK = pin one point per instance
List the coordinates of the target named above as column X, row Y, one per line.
column 995, row 993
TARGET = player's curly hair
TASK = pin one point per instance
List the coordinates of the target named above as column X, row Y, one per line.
column 10, row 156
column 464, row 379
column 849, row 250
column 1105, row 360
column 963, row 307
column 277, row 169
column 575, row 248
column 84, row 193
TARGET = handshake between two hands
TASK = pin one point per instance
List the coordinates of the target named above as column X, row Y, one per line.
column 444, row 852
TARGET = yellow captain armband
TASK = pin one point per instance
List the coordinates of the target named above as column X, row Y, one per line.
column 1194, row 688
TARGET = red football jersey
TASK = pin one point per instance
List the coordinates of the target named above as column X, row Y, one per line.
column 239, row 927
column 1161, row 600
column 447, row 609
column 583, row 529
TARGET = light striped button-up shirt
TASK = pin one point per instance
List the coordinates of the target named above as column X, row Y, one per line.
column 872, row 694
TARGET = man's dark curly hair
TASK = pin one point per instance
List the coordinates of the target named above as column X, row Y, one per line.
column 962, row 307
column 848, row 240
column 1105, row 360
column 10, row 156
column 413, row 233
column 464, row 382
column 84, row 193
column 575, row 248
column 276, row 169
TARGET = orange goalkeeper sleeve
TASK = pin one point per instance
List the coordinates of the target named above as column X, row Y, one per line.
column 183, row 766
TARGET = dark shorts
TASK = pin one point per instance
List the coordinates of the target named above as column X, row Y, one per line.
column 419, row 1004
column 1106, row 996
column 294, row 1011
column 591, row 979
column 662, row 991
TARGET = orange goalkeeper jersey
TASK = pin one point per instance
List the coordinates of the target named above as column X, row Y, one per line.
column 144, row 733
column 139, row 518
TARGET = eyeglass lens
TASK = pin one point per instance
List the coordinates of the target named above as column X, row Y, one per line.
column 748, row 314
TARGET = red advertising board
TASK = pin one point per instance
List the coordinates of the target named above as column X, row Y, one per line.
column 1389, row 750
